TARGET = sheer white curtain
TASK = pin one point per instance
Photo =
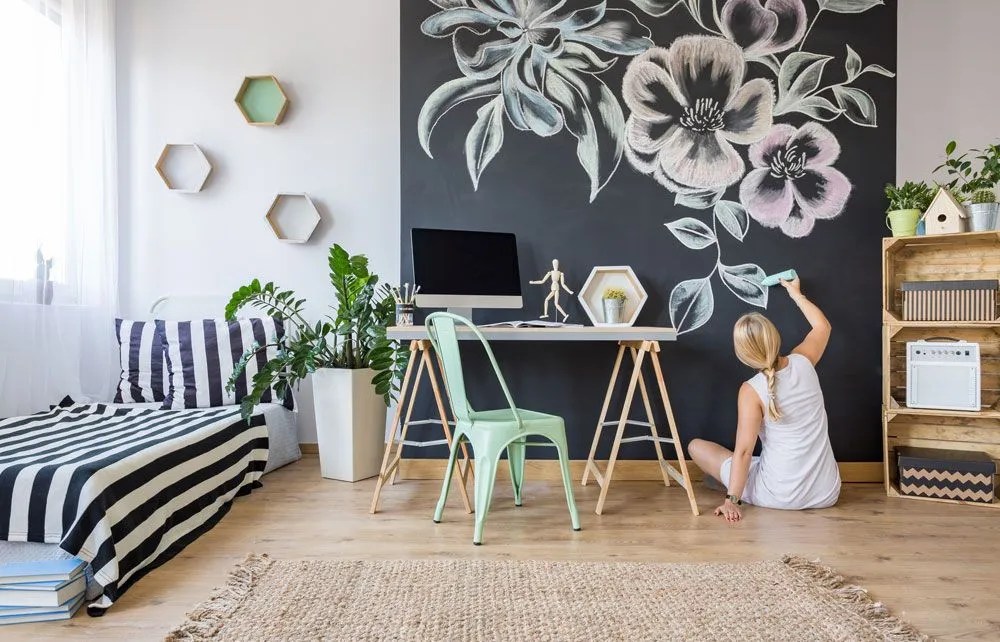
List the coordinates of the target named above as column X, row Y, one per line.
column 58, row 175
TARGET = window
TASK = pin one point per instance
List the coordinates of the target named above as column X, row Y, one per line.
column 33, row 144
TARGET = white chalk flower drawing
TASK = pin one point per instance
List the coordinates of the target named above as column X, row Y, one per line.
column 708, row 112
column 537, row 64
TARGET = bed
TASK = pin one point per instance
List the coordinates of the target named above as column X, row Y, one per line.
column 125, row 487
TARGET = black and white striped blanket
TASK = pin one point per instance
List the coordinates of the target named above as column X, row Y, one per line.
column 124, row 489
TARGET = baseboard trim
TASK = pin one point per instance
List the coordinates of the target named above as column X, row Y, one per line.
column 865, row 472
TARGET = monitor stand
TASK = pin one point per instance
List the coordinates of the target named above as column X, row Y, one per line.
column 462, row 312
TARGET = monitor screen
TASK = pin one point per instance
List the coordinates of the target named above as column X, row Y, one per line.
column 458, row 262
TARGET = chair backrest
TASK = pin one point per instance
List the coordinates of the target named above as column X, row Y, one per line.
column 441, row 326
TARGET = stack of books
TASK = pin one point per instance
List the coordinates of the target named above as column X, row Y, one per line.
column 41, row 591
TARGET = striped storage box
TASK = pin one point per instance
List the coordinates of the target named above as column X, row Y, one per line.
column 946, row 474
column 950, row 300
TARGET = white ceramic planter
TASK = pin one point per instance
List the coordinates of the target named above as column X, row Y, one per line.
column 350, row 423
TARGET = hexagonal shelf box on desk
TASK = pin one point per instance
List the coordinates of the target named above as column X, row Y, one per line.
column 603, row 277
column 293, row 217
column 262, row 101
column 183, row 167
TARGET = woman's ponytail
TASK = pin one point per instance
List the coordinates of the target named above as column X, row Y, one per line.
column 772, row 402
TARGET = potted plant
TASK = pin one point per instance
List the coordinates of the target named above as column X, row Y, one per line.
column 975, row 186
column 614, row 305
column 907, row 203
column 352, row 363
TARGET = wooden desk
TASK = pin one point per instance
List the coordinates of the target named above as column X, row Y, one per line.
column 641, row 343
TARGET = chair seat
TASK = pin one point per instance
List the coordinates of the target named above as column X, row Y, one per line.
column 530, row 418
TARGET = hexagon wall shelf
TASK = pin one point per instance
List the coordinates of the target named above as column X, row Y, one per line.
column 603, row 277
column 262, row 101
column 293, row 217
column 183, row 167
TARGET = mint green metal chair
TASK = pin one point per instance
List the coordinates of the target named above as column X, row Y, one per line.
column 491, row 431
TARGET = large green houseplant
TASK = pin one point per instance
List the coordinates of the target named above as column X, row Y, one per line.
column 347, row 353
column 974, row 181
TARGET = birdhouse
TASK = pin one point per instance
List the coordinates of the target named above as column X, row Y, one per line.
column 945, row 214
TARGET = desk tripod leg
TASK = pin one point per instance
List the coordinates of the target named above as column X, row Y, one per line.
column 629, row 396
column 403, row 389
column 462, row 466
column 397, row 459
column 652, row 424
column 604, row 415
column 655, row 357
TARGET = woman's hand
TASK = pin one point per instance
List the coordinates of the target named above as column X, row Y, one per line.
column 730, row 511
column 793, row 286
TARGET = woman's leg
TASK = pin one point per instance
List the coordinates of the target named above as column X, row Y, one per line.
column 709, row 456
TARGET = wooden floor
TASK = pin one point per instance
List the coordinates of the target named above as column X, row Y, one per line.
column 936, row 565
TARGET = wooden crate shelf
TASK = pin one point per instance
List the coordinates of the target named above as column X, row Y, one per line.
column 974, row 255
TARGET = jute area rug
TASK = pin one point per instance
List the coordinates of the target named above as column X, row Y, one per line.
column 790, row 599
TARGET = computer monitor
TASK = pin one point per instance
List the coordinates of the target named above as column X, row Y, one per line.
column 461, row 270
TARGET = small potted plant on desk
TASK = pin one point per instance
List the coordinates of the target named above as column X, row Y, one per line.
column 907, row 204
column 976, row 187
column 614, row 305
column 352, row 362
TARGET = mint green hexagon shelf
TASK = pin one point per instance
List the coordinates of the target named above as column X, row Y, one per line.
column 262, row 101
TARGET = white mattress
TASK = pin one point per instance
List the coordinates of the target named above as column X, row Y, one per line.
column 283, row 449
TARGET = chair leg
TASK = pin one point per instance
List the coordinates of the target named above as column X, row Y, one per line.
column 446, row 484
column 562, row 449
column 515, row 459
column 486, row 473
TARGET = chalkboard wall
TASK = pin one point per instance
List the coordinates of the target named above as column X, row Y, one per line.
column 703, row 146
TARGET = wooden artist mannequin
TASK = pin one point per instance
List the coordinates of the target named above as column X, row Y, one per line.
column 557, row 279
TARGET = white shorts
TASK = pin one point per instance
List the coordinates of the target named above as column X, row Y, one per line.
column 727, row 467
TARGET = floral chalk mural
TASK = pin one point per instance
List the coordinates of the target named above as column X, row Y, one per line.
column 736, row 107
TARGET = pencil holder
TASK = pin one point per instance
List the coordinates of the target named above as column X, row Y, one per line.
column 404, row 314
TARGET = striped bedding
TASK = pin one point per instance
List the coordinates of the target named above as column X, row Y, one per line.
column 124, row 489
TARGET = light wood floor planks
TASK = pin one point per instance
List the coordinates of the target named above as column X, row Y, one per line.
column 937, row 566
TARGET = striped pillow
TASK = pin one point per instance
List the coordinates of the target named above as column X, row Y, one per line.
column 143, row 365
column 201, row 356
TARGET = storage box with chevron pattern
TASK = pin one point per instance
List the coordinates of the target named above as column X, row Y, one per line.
column 946, row 474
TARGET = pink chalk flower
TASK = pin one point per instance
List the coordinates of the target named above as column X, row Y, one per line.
column 793, row 182
column 761, row 29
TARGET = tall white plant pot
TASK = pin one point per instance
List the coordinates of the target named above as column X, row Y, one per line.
column 350, row 423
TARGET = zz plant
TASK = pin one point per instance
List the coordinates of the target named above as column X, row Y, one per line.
column 351, row 336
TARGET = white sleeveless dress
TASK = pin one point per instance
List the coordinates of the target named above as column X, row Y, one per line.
column 796, row 468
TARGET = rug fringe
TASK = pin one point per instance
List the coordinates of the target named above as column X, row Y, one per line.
column 208, row 617
column 856, row 599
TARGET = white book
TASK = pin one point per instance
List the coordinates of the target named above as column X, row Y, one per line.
column 42, row 614
column 42, row 571
column 16, row 596
column 534, row 323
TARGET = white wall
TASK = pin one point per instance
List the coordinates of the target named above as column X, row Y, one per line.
column 947, row 80
column 180, row 65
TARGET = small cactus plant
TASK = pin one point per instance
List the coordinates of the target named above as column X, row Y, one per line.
column 615, row 293
column 984, row 196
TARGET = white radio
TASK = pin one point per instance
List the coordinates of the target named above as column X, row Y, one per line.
column 943, row 375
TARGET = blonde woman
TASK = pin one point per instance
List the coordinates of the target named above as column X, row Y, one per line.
column 782, row 405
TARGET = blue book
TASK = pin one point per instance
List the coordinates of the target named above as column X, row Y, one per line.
column 19, row 615
column 53, row 585
column 52, row 598
column 43, row 571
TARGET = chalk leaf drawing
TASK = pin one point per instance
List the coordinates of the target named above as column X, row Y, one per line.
column 692, row 233
column 734, row 218
column 746, row 282
column 793, row 182
column 692, row 304
column 538, row 62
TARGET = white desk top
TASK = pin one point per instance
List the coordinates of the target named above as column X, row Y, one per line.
column 584, row 333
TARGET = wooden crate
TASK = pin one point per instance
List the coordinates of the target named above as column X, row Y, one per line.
column 970, row 256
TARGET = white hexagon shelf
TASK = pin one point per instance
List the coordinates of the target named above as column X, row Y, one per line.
column 183, row 167
column 292, row 217
column 603, row 277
